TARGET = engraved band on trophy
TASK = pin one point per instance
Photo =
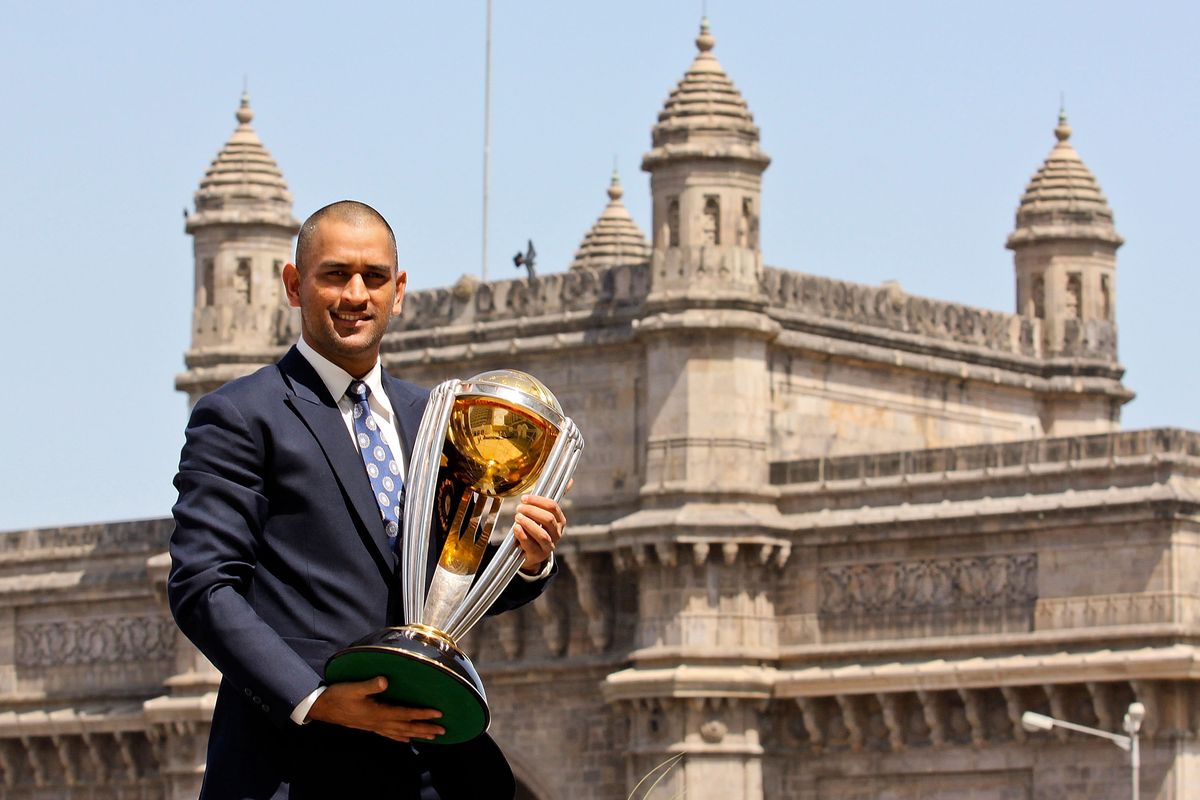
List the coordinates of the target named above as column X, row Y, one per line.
column 497, row 435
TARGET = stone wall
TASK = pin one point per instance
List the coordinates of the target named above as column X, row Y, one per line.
column 83, row 643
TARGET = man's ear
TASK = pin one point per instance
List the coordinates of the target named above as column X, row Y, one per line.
column 401, row 285
column 291, row 284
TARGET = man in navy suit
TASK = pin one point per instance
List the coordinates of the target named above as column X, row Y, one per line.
column 281, row 554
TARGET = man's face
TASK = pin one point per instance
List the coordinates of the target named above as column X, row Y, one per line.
column 349, row 289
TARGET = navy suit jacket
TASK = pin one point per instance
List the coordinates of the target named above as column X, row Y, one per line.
column 279, row 558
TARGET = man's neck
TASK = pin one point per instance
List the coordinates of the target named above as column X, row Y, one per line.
column 357, row 368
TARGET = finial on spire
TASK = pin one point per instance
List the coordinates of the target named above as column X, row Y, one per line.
column 1063, row 131
column 244, row 113
column 705, row 41
column 614, row 186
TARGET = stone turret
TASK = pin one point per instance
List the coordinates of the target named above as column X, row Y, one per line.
column 615, row 239
column 705, row 329
column 242, row 230
column 706, row 491
column 1065, row 253
column 706, row 180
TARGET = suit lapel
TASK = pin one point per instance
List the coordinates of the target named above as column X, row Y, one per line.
column 311, row 401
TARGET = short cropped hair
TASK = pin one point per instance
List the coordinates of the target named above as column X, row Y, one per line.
column 348, row 211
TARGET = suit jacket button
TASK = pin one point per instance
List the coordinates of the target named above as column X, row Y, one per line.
column 257, row 700
column 248, row 692
column 266, row 708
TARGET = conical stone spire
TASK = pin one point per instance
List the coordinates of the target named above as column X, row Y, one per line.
column 243, row 184
column 706, row 170
column 615, row 239
column 705, row 114
column 242, row 230
column 1065, row 256
column 1063, row 201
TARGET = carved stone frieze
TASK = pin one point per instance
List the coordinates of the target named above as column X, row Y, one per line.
column 125, row 538
column 105, row 640
column 889, row 308
column 1142, row 608
column 929, row 584
column 589, row 290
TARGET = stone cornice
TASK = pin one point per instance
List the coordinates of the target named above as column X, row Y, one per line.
column 986, row 463
column 705, row 151
column 861, row 651
column 281, row 221
column 125, row 717
column 747, row 682
column 1176, row 662
column 692, row 320
column 985, row 516
column 1065, row 377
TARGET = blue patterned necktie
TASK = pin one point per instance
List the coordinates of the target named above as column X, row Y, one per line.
column 383, row 470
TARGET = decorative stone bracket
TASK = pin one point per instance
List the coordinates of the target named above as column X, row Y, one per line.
column 674, row 553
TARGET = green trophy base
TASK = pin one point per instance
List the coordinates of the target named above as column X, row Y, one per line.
column 424, row 669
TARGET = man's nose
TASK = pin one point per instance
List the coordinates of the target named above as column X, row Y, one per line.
column 355, row 291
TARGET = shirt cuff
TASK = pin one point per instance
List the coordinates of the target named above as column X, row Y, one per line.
column 541, row 576
column 300, row 712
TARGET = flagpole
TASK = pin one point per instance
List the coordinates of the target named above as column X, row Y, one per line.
column 487, row 138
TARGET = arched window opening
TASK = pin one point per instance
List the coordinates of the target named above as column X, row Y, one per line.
column 208, row 283
column 1074, row 296
column 712, row 220
column 241, row 283
column 673, row 223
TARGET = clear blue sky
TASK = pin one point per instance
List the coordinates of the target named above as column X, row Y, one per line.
column 902, row 135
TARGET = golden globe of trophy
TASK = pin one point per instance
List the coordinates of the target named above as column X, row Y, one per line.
column 498, row 435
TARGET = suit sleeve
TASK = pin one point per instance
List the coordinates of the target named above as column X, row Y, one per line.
column 219, row 520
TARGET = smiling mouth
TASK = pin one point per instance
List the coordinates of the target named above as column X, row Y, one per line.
column 344, row 317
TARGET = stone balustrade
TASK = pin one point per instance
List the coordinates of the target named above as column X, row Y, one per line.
column 1067, row 449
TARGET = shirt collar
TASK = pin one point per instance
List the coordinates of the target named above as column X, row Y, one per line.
column 336, row 379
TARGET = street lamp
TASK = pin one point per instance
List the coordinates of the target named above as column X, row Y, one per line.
column 1034, row 722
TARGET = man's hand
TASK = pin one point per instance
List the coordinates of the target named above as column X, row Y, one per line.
column 352, row 705
column 540, row 523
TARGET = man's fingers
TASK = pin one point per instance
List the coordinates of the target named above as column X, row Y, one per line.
column 535, row 550
column 412, row 714
column 535, row 503
column 403, row 724
column 534, row 532
column 365, row 688
column 540, row 517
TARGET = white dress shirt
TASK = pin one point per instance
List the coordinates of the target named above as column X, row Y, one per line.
column 337, row 380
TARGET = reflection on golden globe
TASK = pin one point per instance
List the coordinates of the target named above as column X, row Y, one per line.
column 502, row 428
